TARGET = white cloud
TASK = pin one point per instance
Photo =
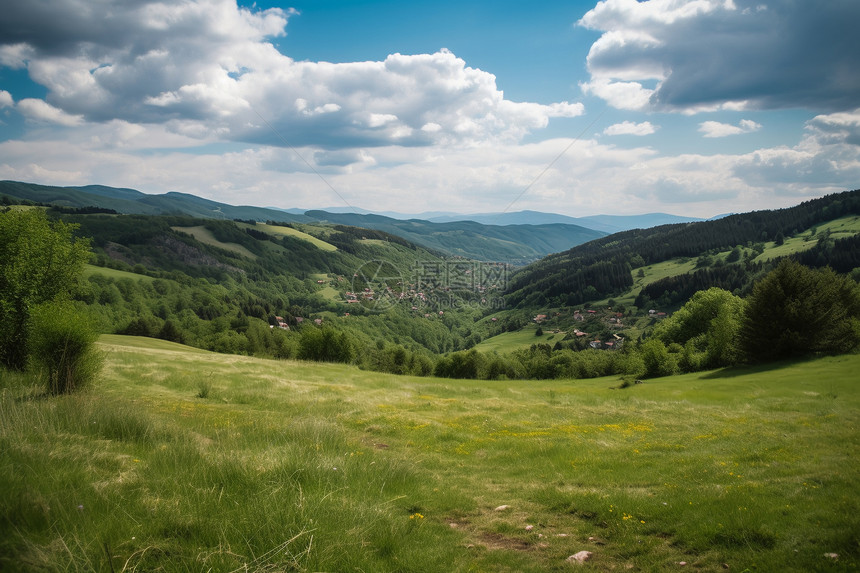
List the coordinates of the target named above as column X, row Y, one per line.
column 713, row 54
column 630, row 128
column 620, row 95
column 6, row 99
column 410, row 132
column 843, row 127
column 15, row 56
column 591, row 177
column 207, row 68
column 717, row 129
column 41, row 111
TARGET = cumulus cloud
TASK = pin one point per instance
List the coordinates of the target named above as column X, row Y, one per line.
column 38, row 110
column 724, row 54
column 6, row 99
column 718, row 129
column 590, row 177
column 842, row 127
column 207, row 69
column 630, row 128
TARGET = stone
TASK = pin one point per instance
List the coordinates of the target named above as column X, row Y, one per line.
column 580, row 557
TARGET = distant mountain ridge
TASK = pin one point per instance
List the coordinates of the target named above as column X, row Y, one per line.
column 604, row 223
column 518, row 237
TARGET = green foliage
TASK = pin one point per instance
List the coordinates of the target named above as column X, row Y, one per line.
column 460, row 365
column 62, row 347
column 734, row 256
column 396, row 359
column 796, row 311
column 708, row 327
column 656, row 360
column 325, row 345
column 40, row 261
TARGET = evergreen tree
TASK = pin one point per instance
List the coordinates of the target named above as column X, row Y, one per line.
column 796, row 311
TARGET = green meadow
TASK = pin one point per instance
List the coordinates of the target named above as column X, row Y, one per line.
column 183, row 460
column 523, row 338
column 206, row 237
column 291, row 232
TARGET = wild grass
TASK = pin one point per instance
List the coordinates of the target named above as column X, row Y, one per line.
column 90, row 270
column 280, row 230
column 523, row 338
column 206, row 237
column 288, row 466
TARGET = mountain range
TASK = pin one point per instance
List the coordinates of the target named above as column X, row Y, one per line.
column 604, row 223
column 517, row 237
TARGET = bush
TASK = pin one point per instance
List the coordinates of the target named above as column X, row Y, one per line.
column 40, row 261
column 62, row 348
column 325, row 345
column 460, row 365
column 656, row 359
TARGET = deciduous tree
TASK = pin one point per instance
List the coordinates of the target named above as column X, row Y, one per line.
column 40, row 261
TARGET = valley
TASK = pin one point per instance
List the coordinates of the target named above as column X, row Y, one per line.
column 314, row 395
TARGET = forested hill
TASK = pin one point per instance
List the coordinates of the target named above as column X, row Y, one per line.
column 603, row 267
column 133, row 202
column 515, row 244
column 507, row 243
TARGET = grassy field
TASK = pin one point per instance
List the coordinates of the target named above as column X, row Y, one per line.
column 279, row 230
column 205, row 236
column 523, row 338
column 182, row 460
column 113, row 273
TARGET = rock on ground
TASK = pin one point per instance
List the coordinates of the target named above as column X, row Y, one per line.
column 580, row 557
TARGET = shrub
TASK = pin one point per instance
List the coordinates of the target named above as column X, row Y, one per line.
column 656, row 359
column 40, row 261
column 707, row 326
column 325, row 345
column 62, row 348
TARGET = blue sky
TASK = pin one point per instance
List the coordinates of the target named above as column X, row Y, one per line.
column 694, row 107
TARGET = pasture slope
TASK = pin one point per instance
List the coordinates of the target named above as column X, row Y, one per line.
column 183, row 460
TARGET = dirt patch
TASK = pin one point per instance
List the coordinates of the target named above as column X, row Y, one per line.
column 499, row 541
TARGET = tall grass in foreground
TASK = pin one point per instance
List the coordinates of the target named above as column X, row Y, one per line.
column 286, row 466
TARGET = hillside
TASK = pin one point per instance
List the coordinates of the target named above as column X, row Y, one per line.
column 608, row 267
column 513, row 244
column 182, row 460
column 224, row 285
